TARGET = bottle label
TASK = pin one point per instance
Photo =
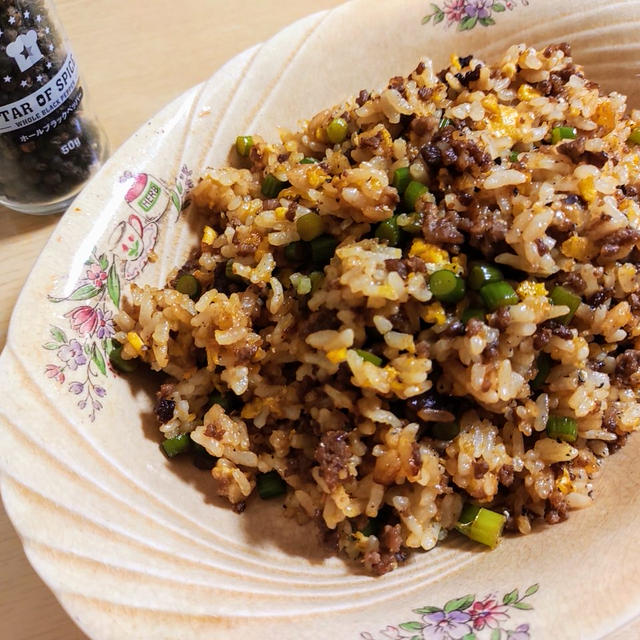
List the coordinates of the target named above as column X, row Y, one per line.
column 36, row 106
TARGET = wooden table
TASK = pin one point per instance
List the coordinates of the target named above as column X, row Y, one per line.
column 135, row 57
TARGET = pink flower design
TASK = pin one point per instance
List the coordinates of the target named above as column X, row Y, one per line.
column 441, row 625
column 83, row 319
column 454, row 10
column 72, row 355
column 487, row 613
column 96, row 276
column 52, row 371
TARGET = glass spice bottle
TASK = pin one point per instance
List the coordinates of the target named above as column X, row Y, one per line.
column 50, row 143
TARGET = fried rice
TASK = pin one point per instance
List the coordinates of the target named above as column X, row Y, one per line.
column 316, row 356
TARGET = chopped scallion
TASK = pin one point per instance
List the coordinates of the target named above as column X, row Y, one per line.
column 498, row 294
column 174, row 446
column 471, row 312
column 411, row 223
column 271, row 186
column 543, row 363
column 202, row 459
column 119, row 363
column 370, row 357
column 223, row 399
column 243, row 145
column 445, row 430
column 388, row 230
column 562, row 428
column 189, row 285
column 562, row 296
column 562, row 133
column 446, row 286
column 296, row 251
column 443, row 122
column 309, row 226
column 316, row 278
column 301, row 283
column 322, row 249
column 371, row 528
column 481, row 525
column 337, row 130
column 228, row 272
column 414, row 191
column 401, row 179
column 270, row 485
column 308, row 160
column 481, row 274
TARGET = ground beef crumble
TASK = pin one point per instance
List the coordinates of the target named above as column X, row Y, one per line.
column 332, row 455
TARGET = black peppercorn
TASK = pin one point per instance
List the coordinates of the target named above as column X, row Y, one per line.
column 49, row 143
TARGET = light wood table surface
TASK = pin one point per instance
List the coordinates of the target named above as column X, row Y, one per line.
column 135, row 56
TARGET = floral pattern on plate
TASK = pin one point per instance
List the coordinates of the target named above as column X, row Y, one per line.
column 465, row 618
column 83, row 347
column 467, row 14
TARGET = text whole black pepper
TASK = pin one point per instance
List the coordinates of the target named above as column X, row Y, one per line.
column 48, row 145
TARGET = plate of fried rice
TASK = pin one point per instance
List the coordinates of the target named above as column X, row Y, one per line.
column 346, row 341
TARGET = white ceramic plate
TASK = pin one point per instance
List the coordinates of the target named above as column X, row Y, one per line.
column 135, row 547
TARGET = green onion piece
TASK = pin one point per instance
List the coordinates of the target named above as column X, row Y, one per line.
column 271, row 186
column 322, row 249
column 189, row 285
column 295, row 252
column 443, row 122
column 337, row 130
column 481, row 274
column 119, row 363
column 388, row 230
column 234, row 277
column 513, row 156
column 562, row 133
column 498, row 294
column 243, row 145
column 481, row 525
column 634, row 138
column 316, row 278
column 543, row 363
column 223, row 399
column 562, row 428
column 445, row 430
column 202, row 459
column 471, row 312
column 401, row 179
column 371, row 528
column 413, row 192
column 370, row 357
column 411, row 223
column 301, row 283
column 174, row 446
column 446, row 286
column 308, row 160
column 270, row 485
column 562, row 296
column 309, row 226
